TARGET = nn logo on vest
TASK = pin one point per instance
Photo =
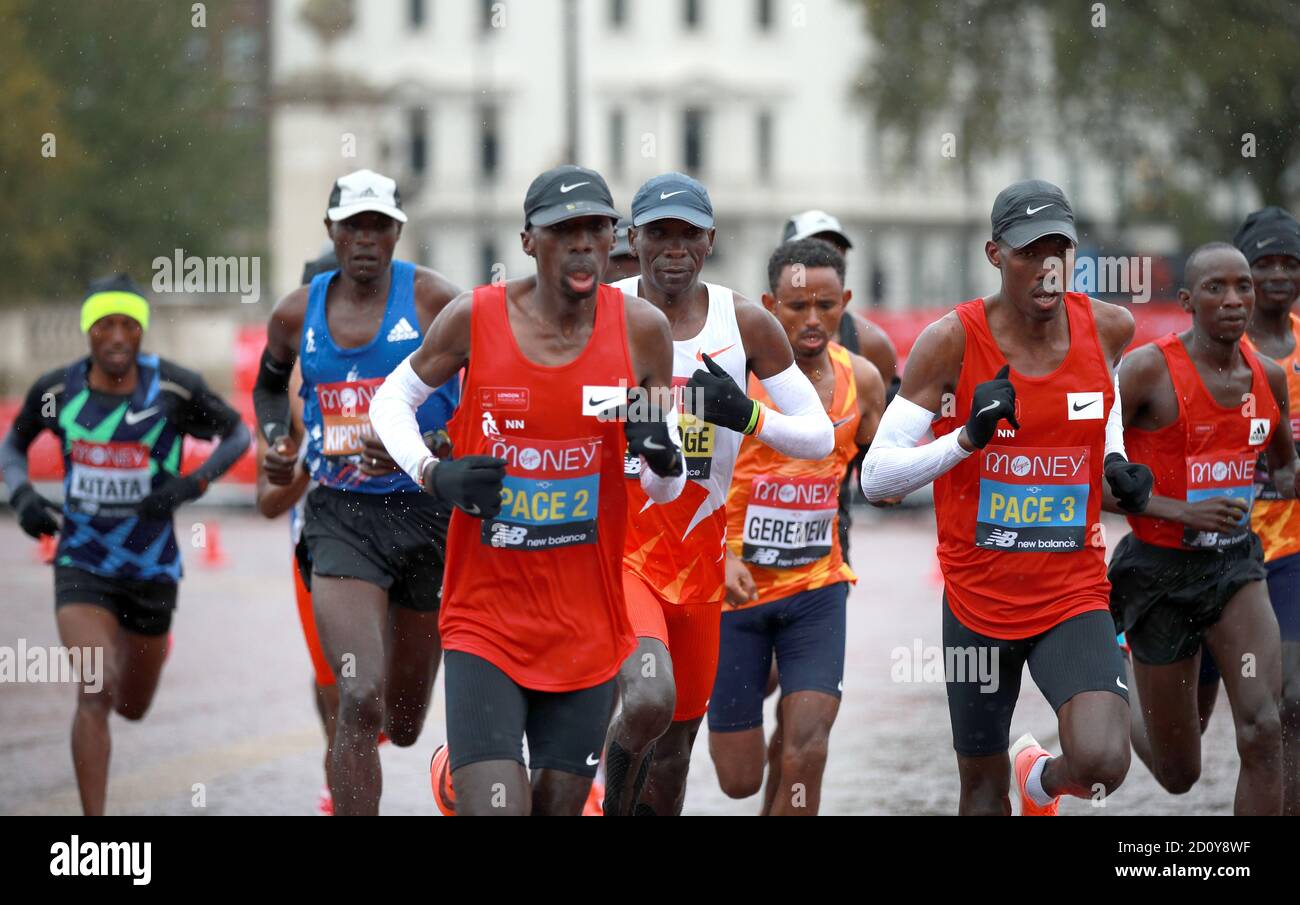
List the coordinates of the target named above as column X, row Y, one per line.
column 103, row 859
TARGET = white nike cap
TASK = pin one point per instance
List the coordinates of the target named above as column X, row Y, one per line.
column 365, row 190
column 813, row 223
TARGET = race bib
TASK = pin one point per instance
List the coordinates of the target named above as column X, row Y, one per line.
column 790, row 521
column 1215, row 476
column 107, row 476
column 345, row 415
column 550, row 495
column 1033, row 499
column 697, row 446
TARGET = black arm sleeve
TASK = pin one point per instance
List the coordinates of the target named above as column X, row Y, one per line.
column 206, row 415
column 271, row 397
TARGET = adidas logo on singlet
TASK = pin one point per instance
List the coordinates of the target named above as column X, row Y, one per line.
column 1259, row 429
column 311, row 340
column 402, row 332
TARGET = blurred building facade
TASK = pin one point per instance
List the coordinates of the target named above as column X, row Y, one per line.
column 465, row 101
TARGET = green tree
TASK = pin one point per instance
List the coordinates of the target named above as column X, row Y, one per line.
column 1174, row 94
column 151, row 152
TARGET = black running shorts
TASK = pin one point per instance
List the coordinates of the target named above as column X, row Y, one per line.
column 395, row 541
column 488, row 717
column 1164, row 599
column 983, row 674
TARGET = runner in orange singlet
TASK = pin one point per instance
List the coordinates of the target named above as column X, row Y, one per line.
column 1270, row 240
column 675, row 568
column 534, row 621
column 1018, row 505
column 787, row 581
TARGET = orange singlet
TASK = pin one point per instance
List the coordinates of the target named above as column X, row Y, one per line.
column 537, row 591
column 1275, row 520
column 781, row 512
column 1020, row 540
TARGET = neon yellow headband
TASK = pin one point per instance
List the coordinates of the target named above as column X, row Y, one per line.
column 102, row 304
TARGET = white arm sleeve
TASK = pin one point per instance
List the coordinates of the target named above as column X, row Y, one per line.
column 1115, row 427
column 392, row 414
column 659, row 489
column 895, row 465
column 801, row 429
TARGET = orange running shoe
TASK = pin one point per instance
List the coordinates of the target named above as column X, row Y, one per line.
column 444, row 796
column 595, row 806
column 1024, row 754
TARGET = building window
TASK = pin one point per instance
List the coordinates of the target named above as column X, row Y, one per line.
column 617, row 13
column 419, row 118
column 763, row 144
column 691, row 13
column 763, row 9
column 693, row 140
column 617, row 126
column 487, row 260
column 489, row 143
column 415, row 13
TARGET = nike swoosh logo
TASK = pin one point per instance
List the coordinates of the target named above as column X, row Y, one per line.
column 988, row 408
column 598, row 402
column 845, row 420
column 699, row 353
column 592, row 760
column 136, row 417
column 664, row 196
column 565, row 189
column 1120, row 684
column 473, row 509
column 1262, row 242
column 1033, row 210
column 650, row 444
column 1295, row 366
column 1079, row 408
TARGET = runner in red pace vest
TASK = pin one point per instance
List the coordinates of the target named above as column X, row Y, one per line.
column 1018, row 390
column 534, row 620
column 1199, row 408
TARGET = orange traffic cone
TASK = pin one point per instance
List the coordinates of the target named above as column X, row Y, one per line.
column 214, row 555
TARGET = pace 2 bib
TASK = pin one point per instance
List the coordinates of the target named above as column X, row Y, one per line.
column 550, row 495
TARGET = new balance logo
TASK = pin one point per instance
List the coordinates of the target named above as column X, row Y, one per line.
column 765, row 556
column 402, row 332
column 1003, row 538
column 504, row 535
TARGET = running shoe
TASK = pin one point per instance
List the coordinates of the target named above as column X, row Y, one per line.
column 1024, row 754
column 440, row 778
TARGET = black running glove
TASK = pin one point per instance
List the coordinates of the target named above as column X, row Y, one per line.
column 472, row 483
column 33, row 511
column 159, row 505
column 1130, row 482
column 725, row 404
column 649, row 437
column 993, row 400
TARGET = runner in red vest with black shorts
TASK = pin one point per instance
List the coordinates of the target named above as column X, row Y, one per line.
column 534, row 621
column 1199, row 408
column 1018, row 506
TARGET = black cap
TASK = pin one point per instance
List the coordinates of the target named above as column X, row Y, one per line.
column 326, row 262
column 1026, row 211
column 566, row 192
column 1270, row 231
column 672, row 196
column 118, row 282
column 621, row 245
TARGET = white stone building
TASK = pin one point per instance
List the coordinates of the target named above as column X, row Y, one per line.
column 464, row 102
